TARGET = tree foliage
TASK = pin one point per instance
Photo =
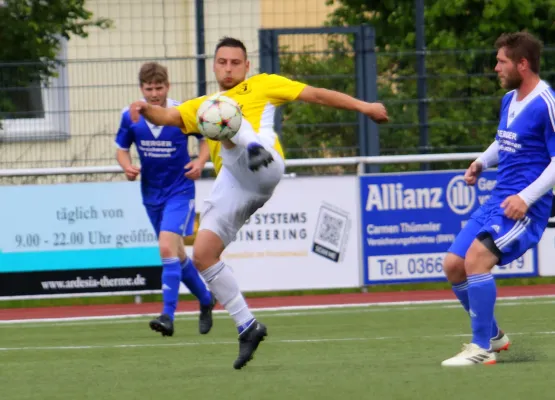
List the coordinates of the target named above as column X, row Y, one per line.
column 462, row 89
column 31, row 34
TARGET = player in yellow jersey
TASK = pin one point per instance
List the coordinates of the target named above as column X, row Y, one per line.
column 249, row 167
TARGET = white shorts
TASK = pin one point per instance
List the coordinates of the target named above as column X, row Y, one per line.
column 238, row 192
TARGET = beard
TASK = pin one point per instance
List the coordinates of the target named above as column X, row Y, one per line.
column 512, row 81
column 227, row 86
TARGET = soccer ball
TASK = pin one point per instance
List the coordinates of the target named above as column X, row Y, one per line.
column 219, row 117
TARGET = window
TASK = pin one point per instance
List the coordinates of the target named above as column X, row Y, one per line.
column 37, row 110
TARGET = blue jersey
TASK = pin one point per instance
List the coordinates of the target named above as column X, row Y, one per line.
column 163, row 151
column 526, row 137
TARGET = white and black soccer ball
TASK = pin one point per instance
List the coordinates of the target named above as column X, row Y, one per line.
column 219, row 117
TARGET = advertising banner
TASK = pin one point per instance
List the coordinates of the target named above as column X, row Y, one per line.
column 409, row 221
column 305, row 237
column 96, row 237
column 73, row 238
column 546, row 247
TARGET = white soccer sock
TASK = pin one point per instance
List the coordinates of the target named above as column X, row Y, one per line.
column 222, row 284
column 245, row 135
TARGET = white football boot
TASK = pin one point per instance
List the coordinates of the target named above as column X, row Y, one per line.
column 500, row 343
column 471, row 354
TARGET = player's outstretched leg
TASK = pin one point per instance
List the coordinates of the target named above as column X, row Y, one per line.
column 192, row 280
column 258, row 154
column 223, row 285
column 251, row 332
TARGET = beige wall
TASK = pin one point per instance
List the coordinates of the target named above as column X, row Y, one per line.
column 102, row 69
column 294, row 13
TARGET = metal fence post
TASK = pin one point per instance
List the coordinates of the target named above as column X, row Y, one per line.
column 370, row 92
column 265, row 50
column 422, row 81
column 201, row 50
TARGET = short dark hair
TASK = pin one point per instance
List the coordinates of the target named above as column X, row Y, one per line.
column 227, row 41
column 152, row 72
column 519, row 45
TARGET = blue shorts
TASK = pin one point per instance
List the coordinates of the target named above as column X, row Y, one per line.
column 176, row 215
column 512, row 238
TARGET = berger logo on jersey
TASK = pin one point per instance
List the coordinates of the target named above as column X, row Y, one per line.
column 508, row 141
column 460, row 197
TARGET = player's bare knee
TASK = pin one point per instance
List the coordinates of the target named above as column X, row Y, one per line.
column 167, row 250
column 207, row 249
column 453, row 266
column 479, row 259
column 203, row 257
column 181, row 254
column 167, row 246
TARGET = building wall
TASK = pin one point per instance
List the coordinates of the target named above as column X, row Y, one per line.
column 102, row 68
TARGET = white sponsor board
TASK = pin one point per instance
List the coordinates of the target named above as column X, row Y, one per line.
column 546, row 252
column 305, row 237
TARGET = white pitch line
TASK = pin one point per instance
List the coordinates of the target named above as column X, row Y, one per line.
column 390, row 304
column 131, row 319
column 306, row 310
column 227, row 342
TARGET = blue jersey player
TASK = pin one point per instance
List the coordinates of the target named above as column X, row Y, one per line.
column 168, row 193
column 514, row 218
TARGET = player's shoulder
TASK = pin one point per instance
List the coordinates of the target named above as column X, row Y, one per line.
column 267, row 78
column 125, row 115
column 172, row 103
column 259, row 77
column 194, row 102
column 548, row 96
column 508, row 96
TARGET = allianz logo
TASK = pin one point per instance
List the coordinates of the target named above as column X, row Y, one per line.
column 459, row 197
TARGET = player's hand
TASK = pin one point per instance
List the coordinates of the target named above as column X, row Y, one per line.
column 473, row 172
column 194, row 168
column 376, row 111
column 515, row 207
column 136, row 109
column 131, row 172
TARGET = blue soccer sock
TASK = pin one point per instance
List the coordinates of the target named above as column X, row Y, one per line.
column 193, row 281
column 171, row 278
column 481, row 294
column 461, row 291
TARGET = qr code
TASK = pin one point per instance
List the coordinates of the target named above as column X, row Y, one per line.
column 330, row 229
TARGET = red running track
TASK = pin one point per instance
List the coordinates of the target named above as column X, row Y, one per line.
column 263, row 302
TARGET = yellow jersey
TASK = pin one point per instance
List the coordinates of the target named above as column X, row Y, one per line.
column 258, row 97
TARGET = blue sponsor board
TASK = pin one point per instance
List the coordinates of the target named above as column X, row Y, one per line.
column 75, row 227
column 409, row 220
